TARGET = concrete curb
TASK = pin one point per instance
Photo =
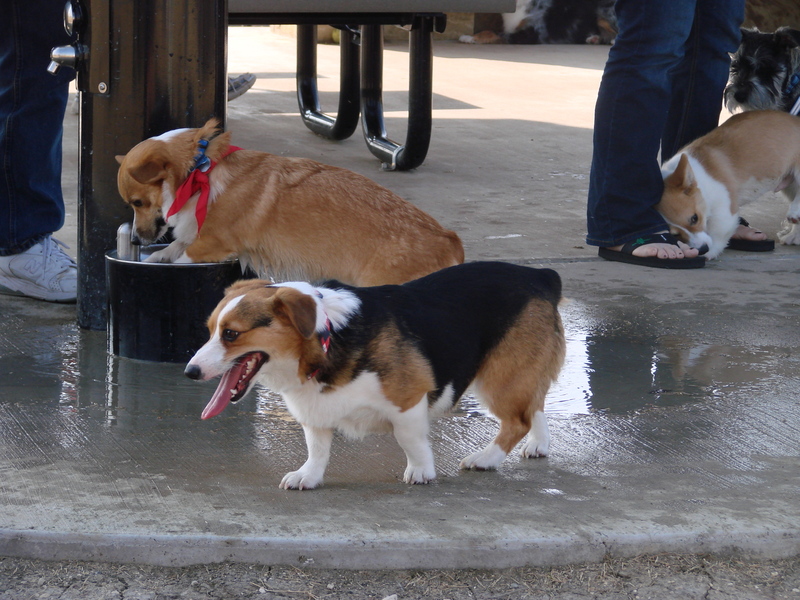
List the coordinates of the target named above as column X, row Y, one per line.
column 185, row 550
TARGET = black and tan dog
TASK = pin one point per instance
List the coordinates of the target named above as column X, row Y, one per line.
column 392, row 357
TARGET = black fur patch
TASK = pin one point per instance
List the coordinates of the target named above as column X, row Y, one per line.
column 453, row 317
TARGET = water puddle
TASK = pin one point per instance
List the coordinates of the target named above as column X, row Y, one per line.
column 611, row 367
column 625, row 365
column 65, row 401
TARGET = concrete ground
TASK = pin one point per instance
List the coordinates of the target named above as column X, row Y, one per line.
column 675, row 423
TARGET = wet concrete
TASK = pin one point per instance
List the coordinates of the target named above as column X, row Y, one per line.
column 675, row 423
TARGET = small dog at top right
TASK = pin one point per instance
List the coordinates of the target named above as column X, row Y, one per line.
column 765, row 72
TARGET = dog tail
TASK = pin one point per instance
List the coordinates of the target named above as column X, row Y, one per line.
column 554, row 286
column 456, row 246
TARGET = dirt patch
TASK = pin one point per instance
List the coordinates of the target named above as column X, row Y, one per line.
column 658, row 577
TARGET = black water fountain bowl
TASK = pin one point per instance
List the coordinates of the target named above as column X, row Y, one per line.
column 158, row 311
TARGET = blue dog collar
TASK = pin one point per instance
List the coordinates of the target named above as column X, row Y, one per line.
column 201, row 161
column 792, row 83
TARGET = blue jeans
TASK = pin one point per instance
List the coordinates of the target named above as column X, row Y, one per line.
column 32, row 105
column 661, row 88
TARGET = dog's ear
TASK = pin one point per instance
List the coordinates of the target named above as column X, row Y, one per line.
column 208, row 130
column 787, row 37
column 151, row 171
column 119, row 158
column 298, row 309
column 683, row 176
column 746, row 33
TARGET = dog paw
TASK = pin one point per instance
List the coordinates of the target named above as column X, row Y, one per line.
column 300, row 480
column 485, row 460
column 160, row 256
column 790, row 237
column 419, row 474
column 535, row 449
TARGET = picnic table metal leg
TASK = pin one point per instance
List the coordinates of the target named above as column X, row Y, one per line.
column 344, row 124
column 393, row 155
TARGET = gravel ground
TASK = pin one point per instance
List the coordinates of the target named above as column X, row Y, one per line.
column 662, row 577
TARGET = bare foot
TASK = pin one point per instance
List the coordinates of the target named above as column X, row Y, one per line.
column 662, row 250
column 745, row 232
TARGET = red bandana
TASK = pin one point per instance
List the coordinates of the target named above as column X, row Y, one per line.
column 197, row 182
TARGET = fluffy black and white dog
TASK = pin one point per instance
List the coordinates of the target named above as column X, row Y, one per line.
column 554, row 22
column 765, row 72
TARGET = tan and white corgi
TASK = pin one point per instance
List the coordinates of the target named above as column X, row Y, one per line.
column 286, row 217
column 752, row 153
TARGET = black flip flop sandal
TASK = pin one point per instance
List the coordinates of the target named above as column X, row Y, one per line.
column 625, row 254
column 750, row 245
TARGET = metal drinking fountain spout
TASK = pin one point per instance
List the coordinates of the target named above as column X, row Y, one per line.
column 66, row 56
column 126, row 249
column 74, row 54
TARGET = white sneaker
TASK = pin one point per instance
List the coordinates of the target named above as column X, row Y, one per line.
column 43, row 271
column 239, row 85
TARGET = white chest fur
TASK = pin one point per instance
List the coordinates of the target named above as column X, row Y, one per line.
column 356, row 409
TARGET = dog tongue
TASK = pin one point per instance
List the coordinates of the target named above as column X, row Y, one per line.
column 225, row 391
column 234, row 383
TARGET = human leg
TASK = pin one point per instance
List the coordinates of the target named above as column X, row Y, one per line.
column 634, row 96
column 699, row 79
column 32, row 105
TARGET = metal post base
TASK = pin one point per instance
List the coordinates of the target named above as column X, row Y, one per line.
column 393, row 155
column 344, row 124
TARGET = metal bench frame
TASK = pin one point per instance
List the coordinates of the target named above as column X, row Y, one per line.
column 361, row 78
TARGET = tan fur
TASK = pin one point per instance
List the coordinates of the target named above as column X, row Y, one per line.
column 750, row 154
column 514, row 379
column 681, row 202
column 487, row 37
column 407, row 375
column 288, row 215
column 376, row 376
column 756, row 143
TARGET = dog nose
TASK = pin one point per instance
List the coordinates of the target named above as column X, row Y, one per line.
column 193, row 371
column 135, row 239
column 702, row 249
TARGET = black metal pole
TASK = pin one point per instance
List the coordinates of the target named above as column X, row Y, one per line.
column 420, row 92
column 152, row 66
column 372, row 95
column 411, row 154
column 344, row 124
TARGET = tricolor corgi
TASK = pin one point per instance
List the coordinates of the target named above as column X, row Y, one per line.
column 752, row 153
column 390, row 358
column 285, row 217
